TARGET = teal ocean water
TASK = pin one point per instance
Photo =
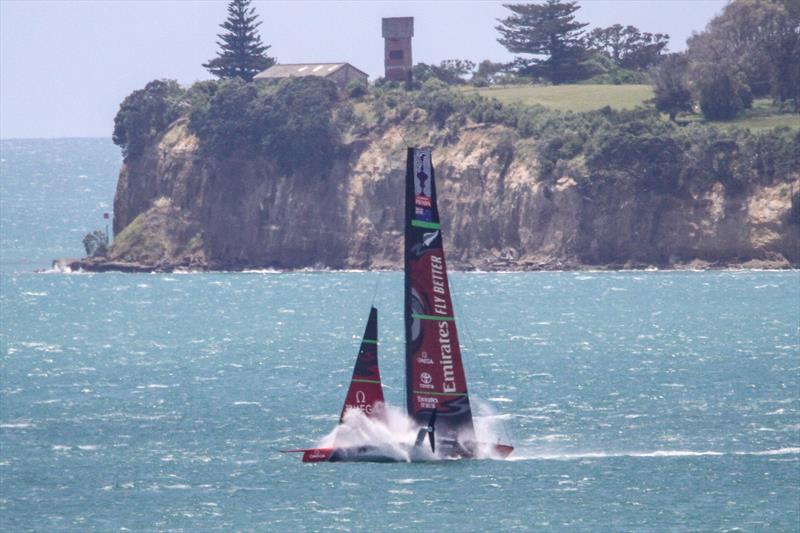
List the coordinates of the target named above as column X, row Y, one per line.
column 638, row 401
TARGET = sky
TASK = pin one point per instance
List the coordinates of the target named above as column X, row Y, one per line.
column 65, row 65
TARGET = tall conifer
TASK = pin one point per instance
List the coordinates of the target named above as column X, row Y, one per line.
column 242, row 54
column 548, row 30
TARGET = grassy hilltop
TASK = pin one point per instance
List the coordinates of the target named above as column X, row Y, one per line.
column 577, row 98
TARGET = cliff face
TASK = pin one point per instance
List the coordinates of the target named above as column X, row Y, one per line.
column 176, row 208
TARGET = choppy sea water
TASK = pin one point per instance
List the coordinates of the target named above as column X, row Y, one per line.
column 639, row 401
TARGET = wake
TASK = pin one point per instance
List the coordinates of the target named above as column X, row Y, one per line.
column 529, row 455
column 394, row 433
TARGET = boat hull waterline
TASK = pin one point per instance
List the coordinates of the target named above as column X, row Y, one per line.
column 382, row 454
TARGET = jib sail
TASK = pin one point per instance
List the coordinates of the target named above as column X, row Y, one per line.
column 365, row 392
column 434, row 371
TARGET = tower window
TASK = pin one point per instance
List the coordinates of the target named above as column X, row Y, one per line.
column 395, row 54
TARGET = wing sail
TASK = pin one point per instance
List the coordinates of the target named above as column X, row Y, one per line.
column 435, row 379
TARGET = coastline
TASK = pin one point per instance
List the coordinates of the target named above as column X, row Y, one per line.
column 92, row 265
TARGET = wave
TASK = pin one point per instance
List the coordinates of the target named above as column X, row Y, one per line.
column 523, row 455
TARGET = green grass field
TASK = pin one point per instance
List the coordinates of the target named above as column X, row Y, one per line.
column 762, row 116
column 571, row 97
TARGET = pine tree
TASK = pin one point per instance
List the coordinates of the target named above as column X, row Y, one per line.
column 549, row 30
column 242, row 54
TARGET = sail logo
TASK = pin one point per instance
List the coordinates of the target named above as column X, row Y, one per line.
column 438, row 282
column 426, row 381
column 427, row 402
column 422, row 173
column 424, row 359
column 428, row 238
column 422, row 201
column 449, row 382
column 361, row 403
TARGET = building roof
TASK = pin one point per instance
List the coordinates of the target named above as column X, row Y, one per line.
column 302, row 69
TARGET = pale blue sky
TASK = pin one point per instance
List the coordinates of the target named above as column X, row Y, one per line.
column 66, row 65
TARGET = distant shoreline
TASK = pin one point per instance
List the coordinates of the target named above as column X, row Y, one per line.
column 95, row 267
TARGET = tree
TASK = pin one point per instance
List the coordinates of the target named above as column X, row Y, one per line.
column 292, row 124
column 449, row 71
column 670, row 85
column 145, row 113
column 548, row 30
column 723, row 93
column 242, row 54
column 96, row 243
column 627, row 46
column 488, row 73
column 759, row 40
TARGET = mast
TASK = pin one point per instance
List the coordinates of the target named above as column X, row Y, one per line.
column 434, row 371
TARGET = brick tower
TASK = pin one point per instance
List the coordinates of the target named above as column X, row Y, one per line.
column 397, row 34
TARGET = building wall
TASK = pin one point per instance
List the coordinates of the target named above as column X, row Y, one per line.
column 397, row 59
column 345, row 75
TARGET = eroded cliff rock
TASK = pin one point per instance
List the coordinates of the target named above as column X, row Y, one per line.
column 174, row 207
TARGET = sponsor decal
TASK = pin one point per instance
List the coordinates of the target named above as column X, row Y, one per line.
column 424, row 359
column 422, row 173
column 361, row 403
column 428, row 238
column 422, row 201
column 449, row 383
column 427, row 402
column 426, row 381
column 423, row 213
column 440, row 307
column 422, row 186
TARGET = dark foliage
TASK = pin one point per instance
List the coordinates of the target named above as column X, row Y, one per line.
column 723, row 94
column 751, row 48
column 145, row 113
column 672, row 94
column 437, row 100
column 627, row 46
column 96, row 243
column 291, row 123
column 450, row 71
column 357, row 88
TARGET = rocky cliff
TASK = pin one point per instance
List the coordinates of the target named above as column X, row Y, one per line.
column 176, row 208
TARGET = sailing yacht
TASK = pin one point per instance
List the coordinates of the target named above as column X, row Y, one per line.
column 437, row 398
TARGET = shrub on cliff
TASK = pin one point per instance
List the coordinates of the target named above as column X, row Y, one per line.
column 145, row 113
column 438, row 100
column 291, row 124
column 96, row 243
column 641, row 149
column 303, row 135
column 224, row 122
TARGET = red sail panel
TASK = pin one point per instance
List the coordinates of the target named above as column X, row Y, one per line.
column 434, row 371
column 365, row 392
